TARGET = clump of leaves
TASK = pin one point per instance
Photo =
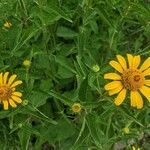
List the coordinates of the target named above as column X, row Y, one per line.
column 69, row 44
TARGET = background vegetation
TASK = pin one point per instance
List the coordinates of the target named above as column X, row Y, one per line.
column 69, row 44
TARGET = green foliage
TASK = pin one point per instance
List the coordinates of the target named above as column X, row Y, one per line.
column 69, row 44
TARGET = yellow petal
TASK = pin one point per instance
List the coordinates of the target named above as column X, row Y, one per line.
column 16, row 99
column 146, row 72
column 16, row 83
column 1, row 78
column 5, row 104
column 136, row 61
column 122, row 62
column 19, row 94
column 145, row 65
column 11, row 79
column 136, row 99
column 112, row 76
column 147, row 82
column 145, row 91
column 120, row 98
column 116, row 66
column 130, row 60
column 139, row 100
column 13, row 89
column 112, row 85
column 12, row 103
column 5, row 77
column 133, row 97
column 115, row 91
column 133, row 148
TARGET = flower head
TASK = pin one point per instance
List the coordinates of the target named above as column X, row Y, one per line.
column 126, row 130
column 76, row 107
column 7, row 24
column 134, row 148
column 26, row 63
column 130, row 77
column 8, row 93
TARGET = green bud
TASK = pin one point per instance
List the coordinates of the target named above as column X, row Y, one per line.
column 25, row 102
column 95, row 68
column 20, row 125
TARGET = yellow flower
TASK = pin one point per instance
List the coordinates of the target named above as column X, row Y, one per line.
column 8, row 93
column 7, row 24
column 126, row 130
column 26, row 63
column 76, row 107
column 129, row 77
column 133, row 148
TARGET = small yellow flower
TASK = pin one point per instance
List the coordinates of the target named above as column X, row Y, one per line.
column 26, row 63
column 134, row 148
column 7, row 24
column 95, row 68
column 131, row 77
column 126, row 130
column 76, row 107
column 8, row 93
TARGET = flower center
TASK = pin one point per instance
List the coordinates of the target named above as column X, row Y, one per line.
column 132, row 79
column 5, row 92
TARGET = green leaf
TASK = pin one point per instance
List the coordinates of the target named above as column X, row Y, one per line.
column 66, row 63
column 42, row 61
column 63, row 99
column 94, row 26
column 61, row 131
column 24, row 135
column 64, row 73
column 66, row 32
column 38, row 98
column 45, row 17
column 55, row 9
column 46, row 85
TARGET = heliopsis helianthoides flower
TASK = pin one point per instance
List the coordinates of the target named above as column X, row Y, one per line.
column 129, row 77
column 76, row 107
column 7, row 24
column 27, row 63
column 134, row 148
column 8, row 93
